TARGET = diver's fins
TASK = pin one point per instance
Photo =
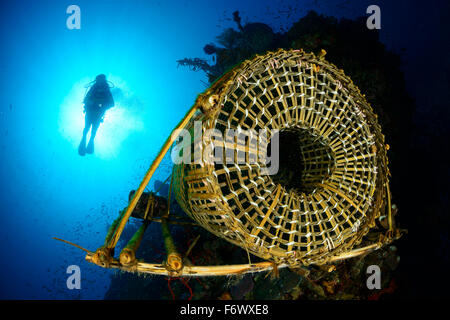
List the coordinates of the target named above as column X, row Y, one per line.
column 90, row 147
column 82, row 147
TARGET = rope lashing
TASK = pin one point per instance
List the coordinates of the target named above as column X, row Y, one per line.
column 150, row 206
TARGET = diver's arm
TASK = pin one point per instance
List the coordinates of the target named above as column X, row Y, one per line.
column 87, row 96
column 110, row 102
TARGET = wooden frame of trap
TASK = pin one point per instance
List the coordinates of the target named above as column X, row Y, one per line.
column 288, row 73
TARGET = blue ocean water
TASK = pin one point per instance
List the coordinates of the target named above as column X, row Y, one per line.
column 47, row 189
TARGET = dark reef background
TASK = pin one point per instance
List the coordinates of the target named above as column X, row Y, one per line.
column 160, row 55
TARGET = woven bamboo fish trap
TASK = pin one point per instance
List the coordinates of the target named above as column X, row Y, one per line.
column 331, row 187
column 342, row 187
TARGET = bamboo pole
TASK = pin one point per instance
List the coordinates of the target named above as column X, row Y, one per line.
column 148, row 176
column 355, row 252
column 180, row 223
column 128, row 254
column 191, row 271
column 113, row 228
column 174, row 260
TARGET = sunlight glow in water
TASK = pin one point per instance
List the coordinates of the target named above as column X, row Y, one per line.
column 119, row 122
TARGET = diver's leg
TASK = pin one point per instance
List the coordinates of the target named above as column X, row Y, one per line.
column 87, row 126
column 90, row 146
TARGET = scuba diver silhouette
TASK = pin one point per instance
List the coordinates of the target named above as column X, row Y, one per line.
column 96, row 102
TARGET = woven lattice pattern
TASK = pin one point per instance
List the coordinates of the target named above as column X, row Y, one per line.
column 333, row 166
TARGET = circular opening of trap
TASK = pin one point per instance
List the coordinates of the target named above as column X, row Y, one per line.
column 305, row 159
